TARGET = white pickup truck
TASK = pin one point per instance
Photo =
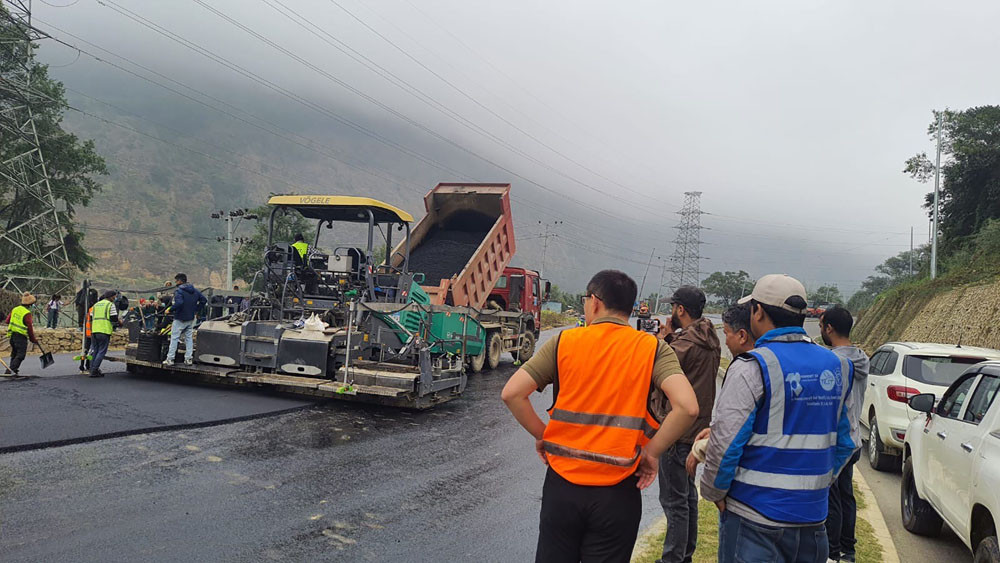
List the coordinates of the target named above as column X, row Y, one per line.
column 951, row 462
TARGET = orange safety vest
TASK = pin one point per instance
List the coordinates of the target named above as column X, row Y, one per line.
column 601, row 415
column 88, row 330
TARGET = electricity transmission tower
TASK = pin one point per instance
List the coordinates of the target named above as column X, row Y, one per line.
column 32, row 246
column 686, row 260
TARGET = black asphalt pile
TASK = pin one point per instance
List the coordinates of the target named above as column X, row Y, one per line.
column 444, row 253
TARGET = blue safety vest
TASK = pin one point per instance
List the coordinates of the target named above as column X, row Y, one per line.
column 789, row 461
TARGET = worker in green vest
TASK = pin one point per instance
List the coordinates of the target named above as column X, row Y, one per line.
column 20, row 331
column 301, row 246
column 105, row 320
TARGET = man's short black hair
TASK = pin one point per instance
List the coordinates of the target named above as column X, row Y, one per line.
column 298, row 237
column 615, row 289
column 737, row 317
column 181, row 278
column 780, row 317
column 840, row 319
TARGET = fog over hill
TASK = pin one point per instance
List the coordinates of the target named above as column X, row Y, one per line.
column 600, row 116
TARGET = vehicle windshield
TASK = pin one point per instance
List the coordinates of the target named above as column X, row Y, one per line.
column 937, row 370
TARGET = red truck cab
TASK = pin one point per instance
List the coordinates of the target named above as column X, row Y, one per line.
column 521, row 290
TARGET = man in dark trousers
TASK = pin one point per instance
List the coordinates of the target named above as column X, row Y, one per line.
column 835, row 327
column 103, row 323
column 20, row 331
column 604, row 437
column 696, row 343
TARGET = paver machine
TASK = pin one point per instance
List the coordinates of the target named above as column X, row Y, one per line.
column 335, row 323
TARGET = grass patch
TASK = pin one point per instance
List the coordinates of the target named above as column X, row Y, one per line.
column 868, row 548
column 552, row 319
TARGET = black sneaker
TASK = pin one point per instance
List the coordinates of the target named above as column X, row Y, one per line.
column 98, row 373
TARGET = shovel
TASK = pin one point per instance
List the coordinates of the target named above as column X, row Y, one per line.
column 46, row 357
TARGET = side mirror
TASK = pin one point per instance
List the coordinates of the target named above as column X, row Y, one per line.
column 548, row 290
column 923, row 402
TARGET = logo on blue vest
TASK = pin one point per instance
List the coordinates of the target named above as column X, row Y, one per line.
column 794, row 381
column 827, row 380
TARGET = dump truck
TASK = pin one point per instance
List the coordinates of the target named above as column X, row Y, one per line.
column 463, row 246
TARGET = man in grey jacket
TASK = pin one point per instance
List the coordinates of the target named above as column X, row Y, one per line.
column 835, row 327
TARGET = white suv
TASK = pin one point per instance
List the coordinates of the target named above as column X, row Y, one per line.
column 900, row 370
column 951, row 462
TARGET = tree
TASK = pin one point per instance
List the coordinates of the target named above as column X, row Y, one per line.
column 250, row 257
column 970, row 187
column 71, row 164
column 728, row 286
column 894, row 271
column 828, row 294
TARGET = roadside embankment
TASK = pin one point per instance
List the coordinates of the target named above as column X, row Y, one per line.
column 933, row 312
column 64, row 340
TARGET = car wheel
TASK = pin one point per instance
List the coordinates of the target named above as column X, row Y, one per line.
column 988, row 551
column 877, row 458
column 919, row 516
column 527, row 347
column 494, row 348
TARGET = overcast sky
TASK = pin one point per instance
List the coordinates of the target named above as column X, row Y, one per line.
column 792, row 118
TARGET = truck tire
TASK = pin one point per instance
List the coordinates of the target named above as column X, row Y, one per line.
column 988, row 551
column 527, row 347
column 494, row 348
column 877, row 458
column 477, row 362
column 919, row 516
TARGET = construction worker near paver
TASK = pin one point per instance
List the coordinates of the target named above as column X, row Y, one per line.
column 301, row 246
column 835, row 326
column 604, row 437
column 185, row 305
column 105, row 319
column 20, row 331
column 88, row 342
column 696, row 343
column 780, row 434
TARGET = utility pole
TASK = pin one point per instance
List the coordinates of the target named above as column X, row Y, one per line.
column 648, row 264
column 937, row 191
column 911, row 251
column 545, row 245
column 229, row 217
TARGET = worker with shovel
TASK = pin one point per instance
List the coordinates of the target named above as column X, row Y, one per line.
column 20, row 331
column 105, row 319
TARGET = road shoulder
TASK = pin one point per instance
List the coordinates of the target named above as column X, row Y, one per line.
column 873, row 515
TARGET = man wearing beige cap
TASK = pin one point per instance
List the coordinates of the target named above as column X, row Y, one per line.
column 780, row 434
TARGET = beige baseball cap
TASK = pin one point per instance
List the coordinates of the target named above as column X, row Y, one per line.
column 777, row 290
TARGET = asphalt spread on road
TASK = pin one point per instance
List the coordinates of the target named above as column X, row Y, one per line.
column 337, row 481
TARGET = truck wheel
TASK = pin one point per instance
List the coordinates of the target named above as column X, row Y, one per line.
column 477, row 362
column 988, row 551
column 494, row 348
column 527, row 347
column 919, row 516
column 877, row 458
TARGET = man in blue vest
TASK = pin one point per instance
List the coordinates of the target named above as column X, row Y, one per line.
column 780, row 434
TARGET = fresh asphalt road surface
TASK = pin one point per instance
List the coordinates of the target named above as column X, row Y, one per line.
column 64, row 406
column 911, row 547
column 335, row 481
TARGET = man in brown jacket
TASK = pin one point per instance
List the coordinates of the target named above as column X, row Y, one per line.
column 696, row 343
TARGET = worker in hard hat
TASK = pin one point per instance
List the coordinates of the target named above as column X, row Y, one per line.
column 301, row 246
column 20, row 331
column 105, row 319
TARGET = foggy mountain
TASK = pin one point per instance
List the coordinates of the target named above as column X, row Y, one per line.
column 599, row 131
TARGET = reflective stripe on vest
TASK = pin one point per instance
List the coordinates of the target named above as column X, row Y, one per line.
column 102, row 318
column 787, row 465
column 600, row 420
column 17, row 325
